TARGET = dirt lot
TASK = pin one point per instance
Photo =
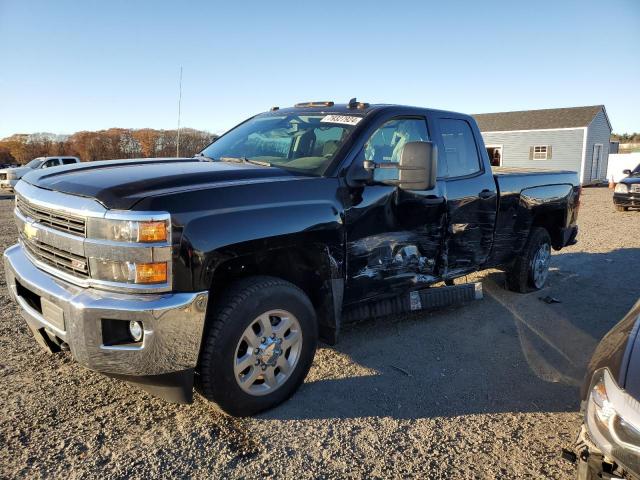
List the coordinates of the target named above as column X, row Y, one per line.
column 488, row 390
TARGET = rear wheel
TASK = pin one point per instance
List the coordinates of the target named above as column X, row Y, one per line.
column 260, row 345
column 530, row 270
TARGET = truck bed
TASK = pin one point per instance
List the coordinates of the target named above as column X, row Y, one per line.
column 510, row 180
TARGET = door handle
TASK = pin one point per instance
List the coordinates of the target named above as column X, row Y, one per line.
column 487, row 194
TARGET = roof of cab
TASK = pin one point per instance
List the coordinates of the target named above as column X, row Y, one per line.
column 345, row 108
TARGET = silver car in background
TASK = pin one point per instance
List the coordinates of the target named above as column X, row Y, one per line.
column 9, row 176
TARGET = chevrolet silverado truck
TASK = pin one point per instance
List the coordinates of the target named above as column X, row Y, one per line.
column 9, row 176
column 224, row 270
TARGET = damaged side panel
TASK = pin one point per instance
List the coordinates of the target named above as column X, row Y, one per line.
column 547, row 205
column 397, row 260
column 471, row 219
column 394, row 240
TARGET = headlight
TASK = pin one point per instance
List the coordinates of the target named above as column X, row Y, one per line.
column 622, row 188
column 148, row 231
column 613, row 421
column 128, row 272
column 131, row 248
column 11, row 176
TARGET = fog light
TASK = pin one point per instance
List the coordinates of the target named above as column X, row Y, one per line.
column 136, row 331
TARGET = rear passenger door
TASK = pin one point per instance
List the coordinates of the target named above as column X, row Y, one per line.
column 471, row 196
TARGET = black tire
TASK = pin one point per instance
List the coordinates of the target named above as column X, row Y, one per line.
column 520, row 274
column 238, row 307
column 620, row 208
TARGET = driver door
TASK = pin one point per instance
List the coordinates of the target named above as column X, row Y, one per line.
column 394, row 236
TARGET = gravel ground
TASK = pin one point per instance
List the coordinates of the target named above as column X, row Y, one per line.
column 486, row 390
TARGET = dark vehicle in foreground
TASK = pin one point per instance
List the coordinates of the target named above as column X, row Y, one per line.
column 627, row 192
column 609, row 441
column 227, row 268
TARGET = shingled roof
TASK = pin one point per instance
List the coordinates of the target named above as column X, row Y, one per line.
column 574, row 117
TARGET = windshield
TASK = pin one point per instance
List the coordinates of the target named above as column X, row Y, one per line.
column 306, row 142
column 636, row 171
column 35, row 163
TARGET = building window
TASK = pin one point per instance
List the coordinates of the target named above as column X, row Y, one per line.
column 540, row 152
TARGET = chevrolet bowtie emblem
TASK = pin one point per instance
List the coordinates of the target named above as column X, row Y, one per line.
column 30, row 231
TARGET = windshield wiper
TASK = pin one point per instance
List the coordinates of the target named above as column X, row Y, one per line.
column 204, row 157
column 244, row 160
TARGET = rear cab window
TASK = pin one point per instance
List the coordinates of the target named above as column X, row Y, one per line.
column 68, row 161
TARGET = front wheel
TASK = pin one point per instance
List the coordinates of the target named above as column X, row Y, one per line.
column 530, row 270
column 259, row 347
column 620, row 208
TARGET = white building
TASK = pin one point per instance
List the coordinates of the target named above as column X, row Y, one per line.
column 574, row 139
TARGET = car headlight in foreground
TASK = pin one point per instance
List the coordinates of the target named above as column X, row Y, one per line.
column 621, row 188
column 613, row 421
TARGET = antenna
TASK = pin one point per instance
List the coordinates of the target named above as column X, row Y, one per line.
column 179, row 107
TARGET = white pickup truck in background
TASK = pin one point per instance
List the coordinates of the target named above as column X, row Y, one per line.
column 9, row 177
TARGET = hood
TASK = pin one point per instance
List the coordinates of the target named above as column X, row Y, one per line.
column 635, row 178
column 120, row 184
column 18, row 171
column 615, row 353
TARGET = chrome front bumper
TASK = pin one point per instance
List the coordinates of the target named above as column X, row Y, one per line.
column 173, row 322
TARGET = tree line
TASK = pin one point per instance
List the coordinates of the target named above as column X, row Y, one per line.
column 114, row 143
column 626, row 137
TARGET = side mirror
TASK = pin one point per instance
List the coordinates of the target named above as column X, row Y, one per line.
column 626, row 172
column 417, row 168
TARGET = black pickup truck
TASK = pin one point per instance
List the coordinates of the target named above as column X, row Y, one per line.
column 227, row 268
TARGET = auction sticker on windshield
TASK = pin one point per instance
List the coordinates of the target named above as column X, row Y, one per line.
column 345, row 119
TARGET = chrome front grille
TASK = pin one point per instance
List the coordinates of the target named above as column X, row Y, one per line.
column 55, row 234
column 57, row 220
column 635, row 187
column 75, row 265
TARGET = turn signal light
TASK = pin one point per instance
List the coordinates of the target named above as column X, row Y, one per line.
column 152, row 232
column 151, row 272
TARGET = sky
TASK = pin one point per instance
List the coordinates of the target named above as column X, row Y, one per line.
column 89, row 65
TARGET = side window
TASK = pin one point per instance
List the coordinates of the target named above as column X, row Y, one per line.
column 50, row 163
column 386, row 143
column 459, row 147
column 68, row 161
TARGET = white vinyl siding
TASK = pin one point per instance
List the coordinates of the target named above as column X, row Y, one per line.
column 598, row 133
column 566, row 145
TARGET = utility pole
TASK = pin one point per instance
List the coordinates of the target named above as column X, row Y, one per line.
column 179, row 107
